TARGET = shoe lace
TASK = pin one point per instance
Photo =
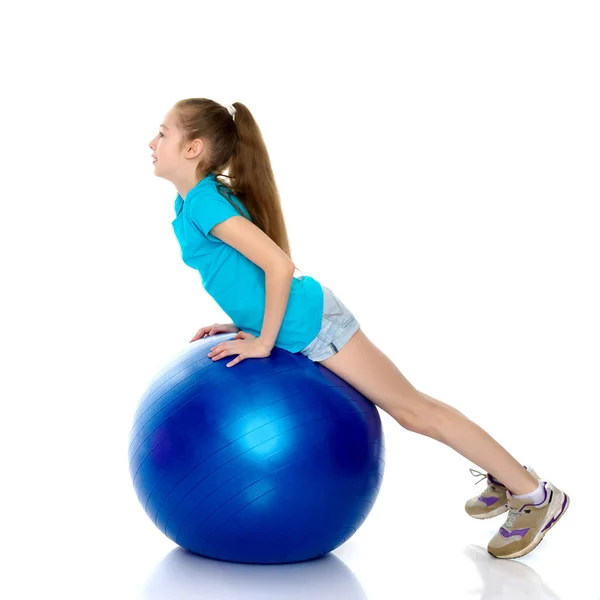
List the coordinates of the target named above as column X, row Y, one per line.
column 476, row 473
column 513, row 513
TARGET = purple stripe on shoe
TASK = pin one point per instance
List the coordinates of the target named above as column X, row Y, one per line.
column 488, row 501
column 521, row 532
column 562, row 510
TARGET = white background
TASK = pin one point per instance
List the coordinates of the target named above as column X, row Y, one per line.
column 438, row 167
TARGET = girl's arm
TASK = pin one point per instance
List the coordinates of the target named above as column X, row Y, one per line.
column 278, row 282
column 257, row 246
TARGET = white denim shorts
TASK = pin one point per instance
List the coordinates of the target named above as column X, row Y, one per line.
column 338, row 325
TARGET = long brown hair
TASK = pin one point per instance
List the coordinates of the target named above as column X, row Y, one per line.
column 236, row 142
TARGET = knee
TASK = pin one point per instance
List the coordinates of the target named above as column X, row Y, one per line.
column 421, row 416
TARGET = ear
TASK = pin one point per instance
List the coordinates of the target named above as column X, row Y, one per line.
column 195, row 148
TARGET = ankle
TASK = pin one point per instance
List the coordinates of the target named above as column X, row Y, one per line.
column 527, row 488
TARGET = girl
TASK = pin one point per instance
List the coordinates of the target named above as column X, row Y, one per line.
column 234, row 234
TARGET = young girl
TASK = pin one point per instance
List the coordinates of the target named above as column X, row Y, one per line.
column 234, row 234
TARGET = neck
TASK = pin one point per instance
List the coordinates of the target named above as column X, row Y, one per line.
column 185, row 184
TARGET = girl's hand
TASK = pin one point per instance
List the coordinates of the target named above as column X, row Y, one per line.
column 245, row 345
column 216, row 328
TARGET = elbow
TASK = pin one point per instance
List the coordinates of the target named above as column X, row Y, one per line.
column 290, row 267
column 286, row 266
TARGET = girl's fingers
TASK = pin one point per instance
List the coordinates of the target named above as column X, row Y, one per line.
column 222, row 350
column 220, row 347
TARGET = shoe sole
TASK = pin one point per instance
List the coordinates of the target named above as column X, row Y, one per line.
column 540, row 536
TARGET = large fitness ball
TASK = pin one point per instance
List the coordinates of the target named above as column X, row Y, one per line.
column 273, row 460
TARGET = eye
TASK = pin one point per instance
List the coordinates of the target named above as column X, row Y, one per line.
column 161, row 135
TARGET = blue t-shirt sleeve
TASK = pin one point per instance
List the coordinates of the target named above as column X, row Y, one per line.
column 210, row 210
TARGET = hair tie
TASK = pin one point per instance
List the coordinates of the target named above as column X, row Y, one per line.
column 231, row 110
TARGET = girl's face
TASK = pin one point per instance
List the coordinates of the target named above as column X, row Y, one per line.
column 165, row 148
column 173, row 162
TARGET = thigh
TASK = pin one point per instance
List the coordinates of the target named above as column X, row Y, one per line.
column 366, row 368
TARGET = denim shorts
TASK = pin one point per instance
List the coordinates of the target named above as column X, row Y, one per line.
column 338, row 325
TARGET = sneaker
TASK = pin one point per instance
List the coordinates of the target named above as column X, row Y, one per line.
column 527, row 524
column 493, row 501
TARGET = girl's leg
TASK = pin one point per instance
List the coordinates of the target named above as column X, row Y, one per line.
column 463, row 435
column 530, row 487
column 371, row 372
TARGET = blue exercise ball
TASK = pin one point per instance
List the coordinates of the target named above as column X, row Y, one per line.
column 274, row 460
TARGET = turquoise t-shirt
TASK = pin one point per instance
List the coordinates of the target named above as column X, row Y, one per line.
column 235, row 282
